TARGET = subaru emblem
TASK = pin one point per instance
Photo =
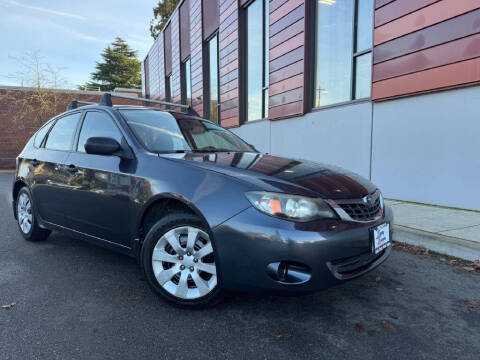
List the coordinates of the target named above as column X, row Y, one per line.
column 367, row 199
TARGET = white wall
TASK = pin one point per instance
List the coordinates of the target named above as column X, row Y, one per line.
column 427, row 148
column 338, row 136
column 256, row 133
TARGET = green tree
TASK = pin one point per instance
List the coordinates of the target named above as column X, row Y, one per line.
column 119, row 68
column 161, row 13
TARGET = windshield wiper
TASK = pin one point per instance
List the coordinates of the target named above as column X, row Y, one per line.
column 173, row 151
column 212, row 149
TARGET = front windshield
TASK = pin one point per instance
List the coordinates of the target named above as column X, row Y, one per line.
column 161, row 132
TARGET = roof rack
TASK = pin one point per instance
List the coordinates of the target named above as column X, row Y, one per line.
column 106, row 100
column 74, row 104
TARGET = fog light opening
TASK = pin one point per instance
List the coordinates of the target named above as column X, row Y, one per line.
column 289, row 272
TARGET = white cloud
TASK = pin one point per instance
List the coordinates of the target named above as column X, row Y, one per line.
column 46, row 10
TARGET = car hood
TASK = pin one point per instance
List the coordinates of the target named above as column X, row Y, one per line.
column 274, row 173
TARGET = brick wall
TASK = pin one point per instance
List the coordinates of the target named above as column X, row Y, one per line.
column 17, row 125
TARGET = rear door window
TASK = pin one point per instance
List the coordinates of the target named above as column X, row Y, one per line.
column 40, row 135
column 97, row 124
column 62, row 133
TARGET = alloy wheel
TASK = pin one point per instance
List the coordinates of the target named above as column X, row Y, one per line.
column 24, row 213
column 183, row 263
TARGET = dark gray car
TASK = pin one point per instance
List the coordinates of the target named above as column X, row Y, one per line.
column 200, row 209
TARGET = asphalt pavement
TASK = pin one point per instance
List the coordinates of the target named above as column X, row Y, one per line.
column 77, row 301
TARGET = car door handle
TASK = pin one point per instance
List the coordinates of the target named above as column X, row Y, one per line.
column 35, row 162
column 72, row 168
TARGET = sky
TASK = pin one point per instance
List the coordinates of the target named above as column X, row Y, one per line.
column 70, row 34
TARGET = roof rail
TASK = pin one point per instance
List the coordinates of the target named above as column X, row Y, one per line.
column 74, row 104
column 106, row 100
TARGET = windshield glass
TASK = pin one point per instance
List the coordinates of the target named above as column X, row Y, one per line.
column 161, row 132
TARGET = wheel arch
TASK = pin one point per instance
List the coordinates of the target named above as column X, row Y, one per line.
column 19, row 183
column 160, row 205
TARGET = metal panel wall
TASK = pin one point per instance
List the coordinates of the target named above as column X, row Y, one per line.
column 425, row 45
column 211, row 17
column 167, row 38
column 196, row 55
column 287, row 53
column 175, row 26
column 185, row 30
column 229, row 63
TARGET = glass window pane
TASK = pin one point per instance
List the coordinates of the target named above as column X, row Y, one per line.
column 266, row 37
column 97, row 124
column 157, row 130
column 254, row 61
column 160, row 131
column 213, row 78
column 41, row 134
column 170, row 87
column 61, row 136
column 364, row 24
column 334, row 51
column 363, row 78
column 188, row 83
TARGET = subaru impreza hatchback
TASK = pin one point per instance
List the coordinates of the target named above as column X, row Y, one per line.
column 201, row 209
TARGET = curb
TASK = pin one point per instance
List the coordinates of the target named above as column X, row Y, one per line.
column 447, row 245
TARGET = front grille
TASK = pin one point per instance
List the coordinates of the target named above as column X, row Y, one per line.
column 361, row 211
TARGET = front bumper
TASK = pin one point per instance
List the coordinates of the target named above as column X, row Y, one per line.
column 333, row 251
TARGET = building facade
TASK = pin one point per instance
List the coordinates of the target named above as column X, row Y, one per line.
column 386, row 88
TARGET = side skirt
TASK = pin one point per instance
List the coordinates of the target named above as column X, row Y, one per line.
column 88, row 238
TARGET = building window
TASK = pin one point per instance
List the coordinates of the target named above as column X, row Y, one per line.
column 343, row 51
column 212, row 78
column 186, row 83
column 257, row 59
column 168, row 89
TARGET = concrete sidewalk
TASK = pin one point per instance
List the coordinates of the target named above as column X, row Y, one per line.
column 448, row 231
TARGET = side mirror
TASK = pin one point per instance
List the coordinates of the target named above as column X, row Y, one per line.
column 102, row 146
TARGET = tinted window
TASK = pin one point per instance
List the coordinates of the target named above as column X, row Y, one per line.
column 157, row 130
column 40, row 135
column 161, row 132
column 257, row 60
column 186, row 83
column 208, row 136
column 334, row 52
column 213, row 79
column 364, row 24
column 337, row 77
column 61, row 136
column 168, row 88
column 97, row 124
column 363, row 75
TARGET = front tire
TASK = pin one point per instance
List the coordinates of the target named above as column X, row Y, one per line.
column 179, row 262
column 27, row 218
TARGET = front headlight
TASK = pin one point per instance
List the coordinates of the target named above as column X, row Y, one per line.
column 290, row 207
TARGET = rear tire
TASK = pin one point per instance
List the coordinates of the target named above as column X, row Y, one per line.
column 178, row 260
column 27, row 217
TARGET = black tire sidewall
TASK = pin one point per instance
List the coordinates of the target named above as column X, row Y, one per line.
column 155, row 233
